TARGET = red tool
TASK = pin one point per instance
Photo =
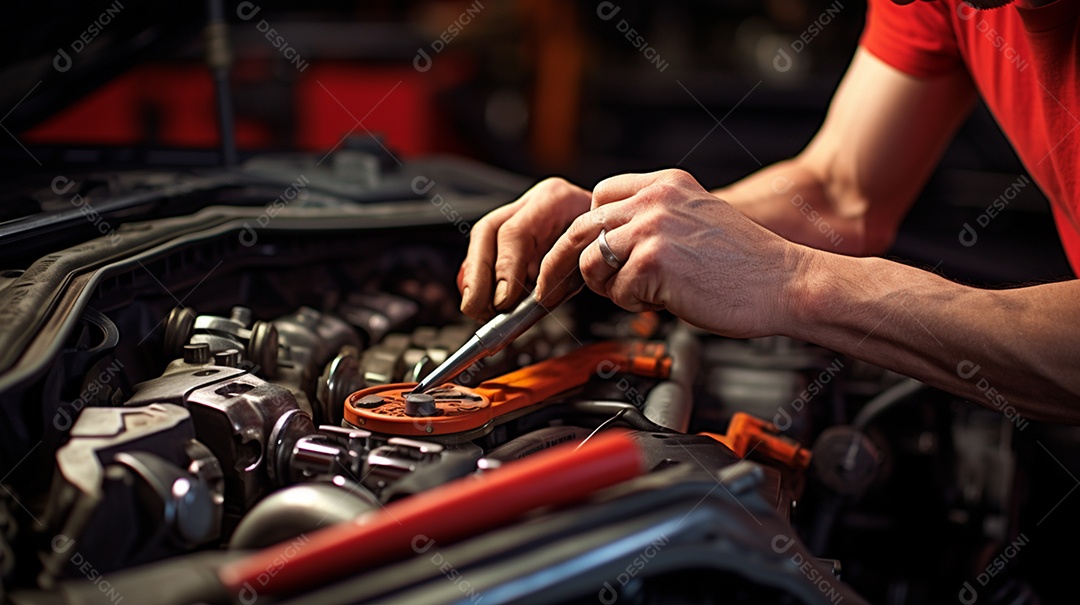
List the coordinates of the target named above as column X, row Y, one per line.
column 457, row 510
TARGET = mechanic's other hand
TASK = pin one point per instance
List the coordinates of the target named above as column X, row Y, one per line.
column 505, row 247
column 683, row 249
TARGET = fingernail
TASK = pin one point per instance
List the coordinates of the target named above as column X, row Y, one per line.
column 464, row 298
column 501, row 292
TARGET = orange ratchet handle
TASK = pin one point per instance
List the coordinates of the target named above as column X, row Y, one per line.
column 466, row 507
column 521, row 388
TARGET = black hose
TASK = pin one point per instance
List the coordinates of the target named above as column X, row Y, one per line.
column 885, row 400
column 669, row 404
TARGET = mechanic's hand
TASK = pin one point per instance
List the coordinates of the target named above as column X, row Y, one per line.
column 505, row 247
column 684, row 249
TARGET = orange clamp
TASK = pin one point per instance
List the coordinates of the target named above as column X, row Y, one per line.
column 746, row 434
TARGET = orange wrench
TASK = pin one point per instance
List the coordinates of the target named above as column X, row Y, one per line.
column 460, row 409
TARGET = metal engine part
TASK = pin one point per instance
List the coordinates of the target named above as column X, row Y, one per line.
column 388, row 463
column 397, row 358
column 340, row 378
column 258, row 340
column 249, row 424
column 307, row 341
column 292, row 350
column 772, row 378
column 390, row 467
column 846, row 460
column 376, row 314
column 333, row 451
column 132, row 485
column 408, row 357
column 298, row 509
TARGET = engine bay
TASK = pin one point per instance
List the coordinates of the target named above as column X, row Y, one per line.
column 230, row 383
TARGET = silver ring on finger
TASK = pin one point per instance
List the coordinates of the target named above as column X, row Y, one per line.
column 605, row 251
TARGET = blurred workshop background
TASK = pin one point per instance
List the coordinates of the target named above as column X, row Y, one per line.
column 541, row 87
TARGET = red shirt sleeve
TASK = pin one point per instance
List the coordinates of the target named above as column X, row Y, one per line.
column 918, row 39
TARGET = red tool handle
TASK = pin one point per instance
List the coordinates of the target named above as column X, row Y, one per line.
column 454, row 511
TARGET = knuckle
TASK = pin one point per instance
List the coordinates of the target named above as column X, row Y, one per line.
column 579, row 228
column 560, row 184
column 666, row 222
column 475, row 265
column 622, row 294
column 510, row 231
column 488, row 224
column 650, row 220
column 517, row 237
column 555, row 187
column 484, row 224
column 554, row 182
column 648, row 257
column 601, row 188
column 677, row 175
column 660, row 191
column 590, row 270
column 648, row 223
column 506, row 264
column 592, row 281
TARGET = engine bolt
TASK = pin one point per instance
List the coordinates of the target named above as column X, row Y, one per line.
column 229, row 358
column 197, row 354
column 420, row 404
column 368, row 402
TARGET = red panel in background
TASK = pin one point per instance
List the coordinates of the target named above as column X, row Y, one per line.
column 108, row 116
column 184, row 101
column 173, row 106
column 336, row 98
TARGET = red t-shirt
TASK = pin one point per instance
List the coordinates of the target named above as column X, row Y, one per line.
column 1024, row 63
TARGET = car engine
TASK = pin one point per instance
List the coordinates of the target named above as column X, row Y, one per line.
column 203, row 384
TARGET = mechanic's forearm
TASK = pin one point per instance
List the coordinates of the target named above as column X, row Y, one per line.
column 995, row 347
column 790, row 199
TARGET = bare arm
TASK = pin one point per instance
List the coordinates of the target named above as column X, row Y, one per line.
column 860, row 173
column 703, row 260
column 686, row 250
column 999, row 348
column 878, row 143
column 849, row 189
